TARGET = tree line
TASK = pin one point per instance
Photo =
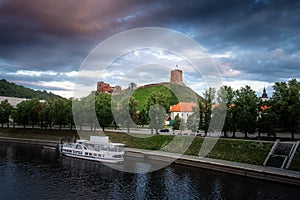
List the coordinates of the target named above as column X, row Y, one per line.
column 245, row 112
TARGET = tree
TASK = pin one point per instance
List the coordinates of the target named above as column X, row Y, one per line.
column 267, row 120
column 157, row 98
column 133, row 105
column 21, row 114
column 176, row 123
column 233, row 118
column 103, row 110
column 43, row 114
column 157, row 103
column 60, row 112
column 125, row 111
column 78, row 112
column 27, row 112
column 193, row 121
column 92, row 109
column 69, row 113
column 286, row 102
column 246, row 109
column 157, row 114
column 5, row 112
column 34, row 109
column 225, row 100
column 205, row 106
column 143, row 118
column 48, row 113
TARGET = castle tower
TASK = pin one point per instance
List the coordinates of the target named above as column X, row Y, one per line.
column 176, row 76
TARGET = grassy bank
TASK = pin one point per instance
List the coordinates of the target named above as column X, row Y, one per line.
column 252, row 152
column 295, row 165
column 39, row 134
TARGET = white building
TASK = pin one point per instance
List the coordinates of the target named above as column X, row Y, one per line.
column 183, row 110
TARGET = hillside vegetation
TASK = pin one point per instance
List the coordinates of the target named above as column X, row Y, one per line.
column 9, row 89
column 176, row 93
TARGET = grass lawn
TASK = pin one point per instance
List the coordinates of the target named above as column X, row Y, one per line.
column 252, row 152
column 175, row 93
column 295, row 165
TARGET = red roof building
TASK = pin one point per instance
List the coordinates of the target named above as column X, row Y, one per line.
column 182, row 109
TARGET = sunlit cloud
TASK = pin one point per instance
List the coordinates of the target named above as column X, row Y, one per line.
column 69, row 74
column 255, row 85
column 226, row 70
column 67, row 85
column 33, row 73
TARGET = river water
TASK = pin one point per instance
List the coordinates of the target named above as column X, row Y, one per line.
column 28, row 172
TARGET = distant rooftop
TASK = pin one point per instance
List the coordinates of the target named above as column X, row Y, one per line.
column 12, row 100
column 183, row 107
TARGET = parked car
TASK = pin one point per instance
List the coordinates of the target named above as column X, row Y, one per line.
column 164, row 130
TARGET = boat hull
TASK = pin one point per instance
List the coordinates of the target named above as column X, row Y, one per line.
column 104, row 160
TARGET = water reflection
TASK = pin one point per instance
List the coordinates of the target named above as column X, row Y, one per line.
column 28, row 172
column 180, row 185
column 141, row 180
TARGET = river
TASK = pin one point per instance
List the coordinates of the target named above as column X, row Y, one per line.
column 29, row 172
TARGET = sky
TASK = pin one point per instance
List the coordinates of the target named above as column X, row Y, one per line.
column 45, row 43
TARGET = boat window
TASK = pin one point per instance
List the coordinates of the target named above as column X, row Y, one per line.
column 117, row 156
column 78, row 146
column 121, row 148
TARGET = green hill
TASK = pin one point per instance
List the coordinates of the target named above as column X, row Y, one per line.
column 176, row 93
column 9, row 89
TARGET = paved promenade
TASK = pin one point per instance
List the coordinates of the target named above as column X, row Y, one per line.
column 243, row 169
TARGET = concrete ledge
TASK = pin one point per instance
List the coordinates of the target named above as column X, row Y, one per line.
column 29, row 141
column 242, row 169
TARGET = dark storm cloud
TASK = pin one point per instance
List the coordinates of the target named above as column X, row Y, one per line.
column 56, row 35
column 248, row 23
column 251, row 30
column 59, row 30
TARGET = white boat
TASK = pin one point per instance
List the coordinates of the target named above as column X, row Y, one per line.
column 98, row 148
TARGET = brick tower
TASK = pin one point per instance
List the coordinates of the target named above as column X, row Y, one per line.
column 176, row 76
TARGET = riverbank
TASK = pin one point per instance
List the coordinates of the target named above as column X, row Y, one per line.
column 244, row 151
column 234, row 150
column 242, row 169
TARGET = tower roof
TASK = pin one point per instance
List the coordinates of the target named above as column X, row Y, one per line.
column 264, row 95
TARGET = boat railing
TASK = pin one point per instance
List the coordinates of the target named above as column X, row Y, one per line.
column 69, row 145
column 104, row 147
column 111, row 147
